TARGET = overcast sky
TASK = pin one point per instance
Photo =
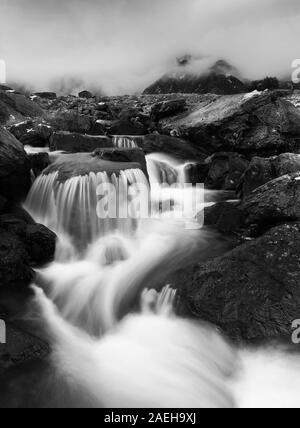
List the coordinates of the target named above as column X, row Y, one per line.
column 123, row 45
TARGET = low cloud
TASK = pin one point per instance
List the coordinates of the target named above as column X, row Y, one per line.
column 122, row 46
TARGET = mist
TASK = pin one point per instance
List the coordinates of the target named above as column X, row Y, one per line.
column 122, row 46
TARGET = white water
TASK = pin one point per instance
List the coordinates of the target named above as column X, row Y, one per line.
column 70, row 207
column 116, row 341
column 123, row 142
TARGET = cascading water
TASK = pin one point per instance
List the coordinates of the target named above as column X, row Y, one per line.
column 71, row 207
column 124, row 142
column 116, row 341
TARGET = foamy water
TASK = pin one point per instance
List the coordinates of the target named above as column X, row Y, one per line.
column 112, row 323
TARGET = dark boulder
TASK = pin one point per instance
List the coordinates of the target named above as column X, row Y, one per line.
column 38, row 241
column 78, row 143
column 251, row 293
column 276, row 201
column 15, row 270
column 263, row 170
column 225, row 171
column 15, row 180
column 34, row 139
column 40, row 244
column 20, row 129
column 226, row 217
column 127, row 126
column 39, row 162
column 167, row 108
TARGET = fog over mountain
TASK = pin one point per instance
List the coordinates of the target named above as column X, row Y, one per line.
column 122, row 46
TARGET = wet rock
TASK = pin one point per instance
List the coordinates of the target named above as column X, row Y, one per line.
column 38, row 241
column 39, row 162
column 167, row 108
column 127, row 126
column 34, row 139
column 225, row 217
column 15, row 178
column 20, row 129
column 15, row 270
column 123, row 155
column 197, row 172
column 263, row 170
column 251, row 293
column 225, row 171
column 21, row 347
column 78, row 143
column 79, row 164
column 276, row 201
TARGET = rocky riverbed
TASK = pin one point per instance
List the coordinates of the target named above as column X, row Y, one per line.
column 245, row 144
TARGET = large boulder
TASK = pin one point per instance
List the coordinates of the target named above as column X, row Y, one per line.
column 16, row 107
column 225, row 171
column 38, row 242
column 276, row 201
column 252, row 293
column 78, row 143
column 15, row 180
column 263, row 170
column 253, row 124
column 15, row 270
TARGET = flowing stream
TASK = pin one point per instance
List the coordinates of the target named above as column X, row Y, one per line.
column 111, row 315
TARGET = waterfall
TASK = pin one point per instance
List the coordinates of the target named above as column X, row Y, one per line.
column 125, row 142
column 164, row 169
column 71, row 207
